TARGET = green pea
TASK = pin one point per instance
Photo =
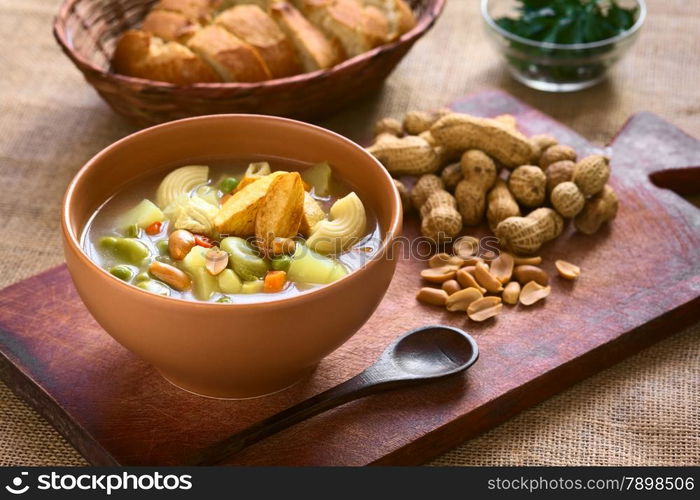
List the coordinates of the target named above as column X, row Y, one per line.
column 243, row 259
column 154, row 286
column 228, row 184
column 130, row 250
column 162, row 247
column 281, row 263
column 132, row 231
column 124, row 273
column 107, row 242
column 224, row 299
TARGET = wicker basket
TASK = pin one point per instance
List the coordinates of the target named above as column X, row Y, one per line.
column 87, row 30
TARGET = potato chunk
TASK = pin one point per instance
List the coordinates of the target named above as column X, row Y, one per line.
column 237, row 216
column 313, row 213
column 281, row 212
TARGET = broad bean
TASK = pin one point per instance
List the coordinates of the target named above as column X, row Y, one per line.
column 128, row 250
column 154, row 286
column 124, row 273
column 243, row 259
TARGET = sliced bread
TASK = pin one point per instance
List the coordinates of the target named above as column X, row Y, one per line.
column 252, row 25
column 314, row 49
column 232, row 58
column 143, row 55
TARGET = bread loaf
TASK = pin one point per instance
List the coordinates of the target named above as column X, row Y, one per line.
column 201, row 41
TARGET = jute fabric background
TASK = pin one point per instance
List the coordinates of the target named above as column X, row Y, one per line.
column 641, row 412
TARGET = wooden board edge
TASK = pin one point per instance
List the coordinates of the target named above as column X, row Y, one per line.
column 510, row 404
column 639, row 114
column 37, row 398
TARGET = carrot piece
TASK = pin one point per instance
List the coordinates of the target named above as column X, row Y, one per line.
column 274, row 281
column 154, row 228
column 203, row 241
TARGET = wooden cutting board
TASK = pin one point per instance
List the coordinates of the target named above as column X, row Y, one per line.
column 640, row 283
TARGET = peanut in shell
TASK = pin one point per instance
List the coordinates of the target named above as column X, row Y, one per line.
column 478, row 169
column 471, row 202
column 409, row 155
column 567, row 199
column 404, row 194
column 540, row 143
column 439, row 198
column 461, row 131
column 558, row 172
column 425, row 186
column 417, row 122
column 442, row 224
column 501, row 204
column 528, row 185
column 451, row 175
column 597, row 211
column 558, row 152
column 389, row 126
column 591, row 174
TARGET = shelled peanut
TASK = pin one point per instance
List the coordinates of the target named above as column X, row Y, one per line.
column 479, row 288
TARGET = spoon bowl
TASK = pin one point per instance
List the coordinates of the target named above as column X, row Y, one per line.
column 433, row 351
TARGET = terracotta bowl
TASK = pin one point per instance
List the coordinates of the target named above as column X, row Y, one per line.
column 230, row 350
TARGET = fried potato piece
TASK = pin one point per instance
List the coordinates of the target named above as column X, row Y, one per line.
column 281, row 211
column 237, row 215
column 246, row 181
column 313, row 213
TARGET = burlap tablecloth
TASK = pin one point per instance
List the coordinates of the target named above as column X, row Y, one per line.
column 642, row 412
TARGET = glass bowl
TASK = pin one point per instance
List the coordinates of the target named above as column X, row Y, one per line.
column 556, row 67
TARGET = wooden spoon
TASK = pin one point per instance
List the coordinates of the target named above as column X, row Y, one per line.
column 424, row 354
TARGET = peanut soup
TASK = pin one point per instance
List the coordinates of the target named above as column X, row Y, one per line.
column 233, row 231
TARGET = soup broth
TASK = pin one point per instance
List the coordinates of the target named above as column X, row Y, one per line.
column 194, row 232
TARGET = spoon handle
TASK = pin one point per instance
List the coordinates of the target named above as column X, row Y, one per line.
column 354, row 388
